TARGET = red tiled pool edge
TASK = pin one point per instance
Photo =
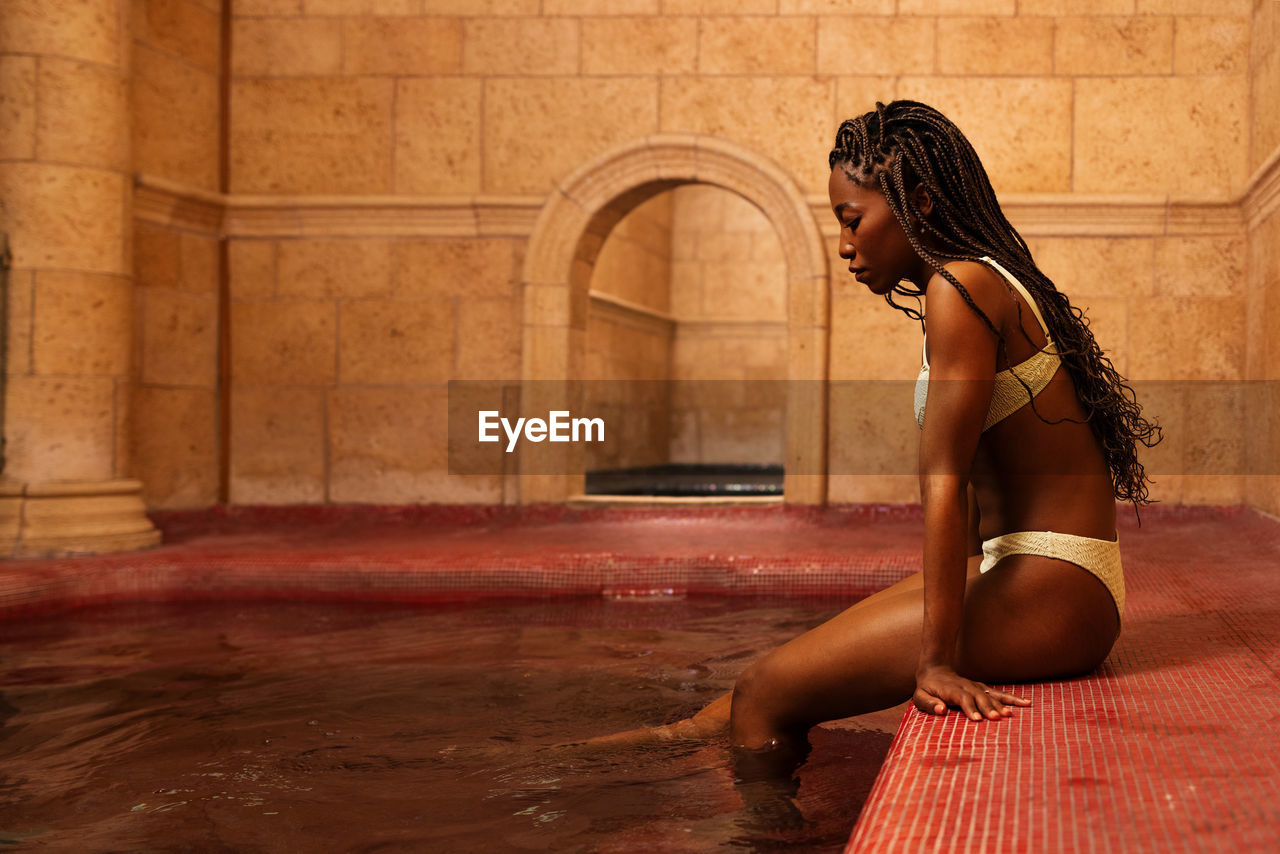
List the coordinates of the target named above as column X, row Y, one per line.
column 1170, row 746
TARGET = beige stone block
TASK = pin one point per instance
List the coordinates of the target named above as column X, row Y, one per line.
column 719, row 7
column 334, row 268
column 65, row 217
column 744, row 45
column 857, row 95
column 395, row 341
column 83, row 115
column 74, row 29
column 421, row 46
column 1161, row 135
column 253, row 269
column 438, row 135
column 361, row 7
column 639, row 45
column 699, row 208
column 314, row 135
column 485, row 267
column 1061, row 8
column 745, row 291
column 175, row 120
column 21, row 302
column 17, row 107
column 879, row 46
column 388, row 445
column 720, row 246
column 526, row 149
column 277, row 446
column 1215, row 490
column 283, row 342
column 873, row 429
column 873, row 489
column 601, row 7
column 1109, row 322
column 741, row 215
column 686, row 289
column 250, row 8
column 180, row 27
column 1265, row 96
column 1200, row 266
column 283, row 47
column 836, row 7
column 83, row 324
column 490, row 339
column 787, row 118
column 199, row 255
column 1264, row 32
column 179, row 338
column 1187, row 338
column 870, row 341
column 957, row 7
column 520, row 46
column 1113, row 45
column 60, row 428
column 1164, row 405
column 174, row 445
column 1214, row 455
column 481, row 7
column 995, row 46
column 1098, row 266
column 1020, row 126
column 1239, row 8
column 157, row 255
column 1210, row 45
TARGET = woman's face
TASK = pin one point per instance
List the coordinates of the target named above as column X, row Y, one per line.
column 871, row 239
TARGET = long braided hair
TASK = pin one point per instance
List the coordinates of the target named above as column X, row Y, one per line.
column 896, row 147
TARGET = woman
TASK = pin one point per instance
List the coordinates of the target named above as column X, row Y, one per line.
column 1026, row 428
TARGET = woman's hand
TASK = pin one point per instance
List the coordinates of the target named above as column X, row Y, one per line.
column 938, row 687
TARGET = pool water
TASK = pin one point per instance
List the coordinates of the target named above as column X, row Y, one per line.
column 330, row 727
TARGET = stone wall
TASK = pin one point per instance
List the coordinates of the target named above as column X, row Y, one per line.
column 174, row 443
column 386, row 160
column 1263, row 286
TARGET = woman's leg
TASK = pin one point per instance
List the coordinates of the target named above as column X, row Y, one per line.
column 1030, row 618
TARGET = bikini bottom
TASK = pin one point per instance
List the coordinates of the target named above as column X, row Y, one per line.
column 1098, row 557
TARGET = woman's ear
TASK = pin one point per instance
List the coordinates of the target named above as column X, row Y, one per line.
column 923, row 201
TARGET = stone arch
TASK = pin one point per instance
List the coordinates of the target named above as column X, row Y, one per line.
column 570, row 231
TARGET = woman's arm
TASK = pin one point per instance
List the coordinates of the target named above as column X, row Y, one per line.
column 962, row 361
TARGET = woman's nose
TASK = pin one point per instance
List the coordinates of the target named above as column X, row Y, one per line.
column 846, row 250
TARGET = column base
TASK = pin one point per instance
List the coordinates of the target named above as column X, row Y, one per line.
column 63, row 518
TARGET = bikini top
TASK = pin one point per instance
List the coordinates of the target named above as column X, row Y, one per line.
column 1008, row 396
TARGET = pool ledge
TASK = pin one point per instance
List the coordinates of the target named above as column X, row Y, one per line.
column 1170, row 746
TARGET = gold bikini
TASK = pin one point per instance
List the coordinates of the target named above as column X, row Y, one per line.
column 1101, row 558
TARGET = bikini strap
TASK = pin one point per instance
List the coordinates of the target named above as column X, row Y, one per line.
column 1022, row 290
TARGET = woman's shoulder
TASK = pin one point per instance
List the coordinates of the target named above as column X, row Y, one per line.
column 983, row 286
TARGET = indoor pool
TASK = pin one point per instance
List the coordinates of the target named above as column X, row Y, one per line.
column 325, row 727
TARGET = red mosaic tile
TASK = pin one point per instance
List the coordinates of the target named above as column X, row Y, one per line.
column 1170, row 746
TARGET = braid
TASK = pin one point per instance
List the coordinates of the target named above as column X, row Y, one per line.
column 906, row 144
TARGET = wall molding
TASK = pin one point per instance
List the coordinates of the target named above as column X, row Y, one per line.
column 630, row 312
column 158, row 200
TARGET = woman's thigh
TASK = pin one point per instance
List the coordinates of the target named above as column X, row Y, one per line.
column 1024, row 621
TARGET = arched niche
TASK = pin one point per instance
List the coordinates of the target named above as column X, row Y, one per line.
column 567, row 237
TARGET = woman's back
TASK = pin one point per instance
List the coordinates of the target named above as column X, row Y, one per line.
column 1029, row 475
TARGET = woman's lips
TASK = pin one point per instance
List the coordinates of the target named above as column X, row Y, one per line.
column 857, row 273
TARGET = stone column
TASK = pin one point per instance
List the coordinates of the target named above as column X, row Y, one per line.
column 65, row 203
